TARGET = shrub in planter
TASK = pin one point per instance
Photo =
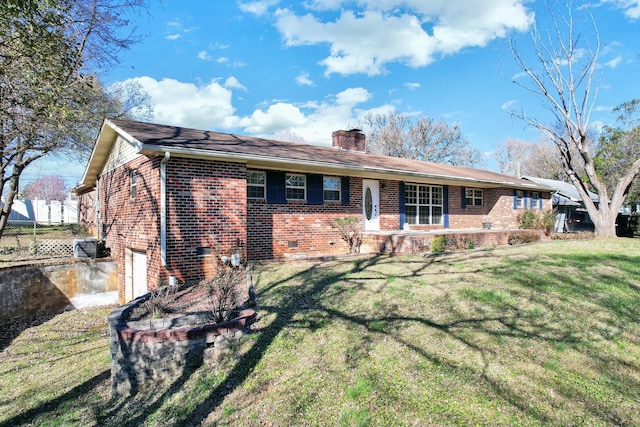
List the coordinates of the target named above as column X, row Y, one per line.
column 537, row 220
column 438, row 244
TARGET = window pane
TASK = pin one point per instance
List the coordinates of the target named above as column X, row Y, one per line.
column 255, row 192
column 295, row 193
column 410, row 194
column 424, row 195
column 411, row 213
column 436, row 215
column 424, row 215
column 257, row 178
column 331, row 183
column 436, row 195
column 295, row 180
column 332, row 195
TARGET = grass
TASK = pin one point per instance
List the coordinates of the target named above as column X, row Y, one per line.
column 542, row 334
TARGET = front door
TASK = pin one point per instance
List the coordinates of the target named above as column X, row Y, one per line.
column 371, row 204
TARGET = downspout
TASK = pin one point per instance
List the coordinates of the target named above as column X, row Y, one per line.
column 163, row 208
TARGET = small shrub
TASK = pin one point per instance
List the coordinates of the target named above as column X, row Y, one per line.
column 350, row 232
column 469, row 244
column 156, row 304
column 438, row 244
column 518, row 239
column 527, row 220
column 225, row 290
column 537, row 220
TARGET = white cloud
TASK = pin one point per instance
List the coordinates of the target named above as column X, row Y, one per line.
column 185, row 104
column 614, row 62
column 276, row 118
column 631, row 7
column 172, row 37
column 364, row 41
column 222, row 59
column 304, row 80
column 204, row 55
column 507, row 105
column 411, row 85
column 257, row 7
column 233, row 83
column 210, row 107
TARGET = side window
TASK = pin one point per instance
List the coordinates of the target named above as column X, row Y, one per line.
column 256, row 184
column 535, row 200
column 474, row 196
column 133, row 179
column 331, row 188
column 519, row 204
column 296, row 186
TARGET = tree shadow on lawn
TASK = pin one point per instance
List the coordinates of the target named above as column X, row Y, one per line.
column 504, row 319
column 304, row 291
column 52, row 406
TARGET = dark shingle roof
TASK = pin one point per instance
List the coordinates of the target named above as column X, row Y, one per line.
column 185, row 141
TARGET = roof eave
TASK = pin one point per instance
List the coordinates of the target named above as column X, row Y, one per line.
column 104, row 142
column 363, row 171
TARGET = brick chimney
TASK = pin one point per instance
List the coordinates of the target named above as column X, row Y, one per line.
column 351, row 140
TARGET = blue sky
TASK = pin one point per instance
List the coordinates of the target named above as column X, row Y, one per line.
column 300, row 70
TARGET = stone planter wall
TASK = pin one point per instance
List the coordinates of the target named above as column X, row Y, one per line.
column 144, row 352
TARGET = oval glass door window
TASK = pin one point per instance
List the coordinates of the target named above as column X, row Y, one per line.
column 368, row 203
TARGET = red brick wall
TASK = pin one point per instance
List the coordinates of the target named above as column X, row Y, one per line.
column 132, row 222
column 206, row 209
column 296, row 230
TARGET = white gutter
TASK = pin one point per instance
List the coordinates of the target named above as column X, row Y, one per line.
column 163, row 208
column 190, row 152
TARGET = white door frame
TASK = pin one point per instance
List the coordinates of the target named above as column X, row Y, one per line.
column 371, row 204
column 135, row 270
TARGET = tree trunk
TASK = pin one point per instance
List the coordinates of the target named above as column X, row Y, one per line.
column 605, row 221
column 12, row 192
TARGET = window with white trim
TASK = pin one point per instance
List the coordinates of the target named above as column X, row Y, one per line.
column 519, row 199
column 474, row 196
column 133, row 183
column 256, row 184
column 423, row 204
column 296, row 186
column 331, row 188
column 535, row 200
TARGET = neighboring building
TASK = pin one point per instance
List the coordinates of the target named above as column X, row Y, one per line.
column 169, row 201
column 572, row 216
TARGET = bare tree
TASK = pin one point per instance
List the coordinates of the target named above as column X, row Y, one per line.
column 50, row 51
column 563, row 75
column 397, row 135
column 538, row 159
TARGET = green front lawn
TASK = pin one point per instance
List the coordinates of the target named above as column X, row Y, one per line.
column 543, row 334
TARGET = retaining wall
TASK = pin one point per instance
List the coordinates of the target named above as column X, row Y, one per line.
column 144, row 352
column 27, row 291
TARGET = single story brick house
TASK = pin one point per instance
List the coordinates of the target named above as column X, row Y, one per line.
column 170, row 201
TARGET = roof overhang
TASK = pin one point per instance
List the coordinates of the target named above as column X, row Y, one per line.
column 321, row 167
column 110, row 132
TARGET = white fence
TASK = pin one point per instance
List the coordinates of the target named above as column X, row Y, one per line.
column 39, row 211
